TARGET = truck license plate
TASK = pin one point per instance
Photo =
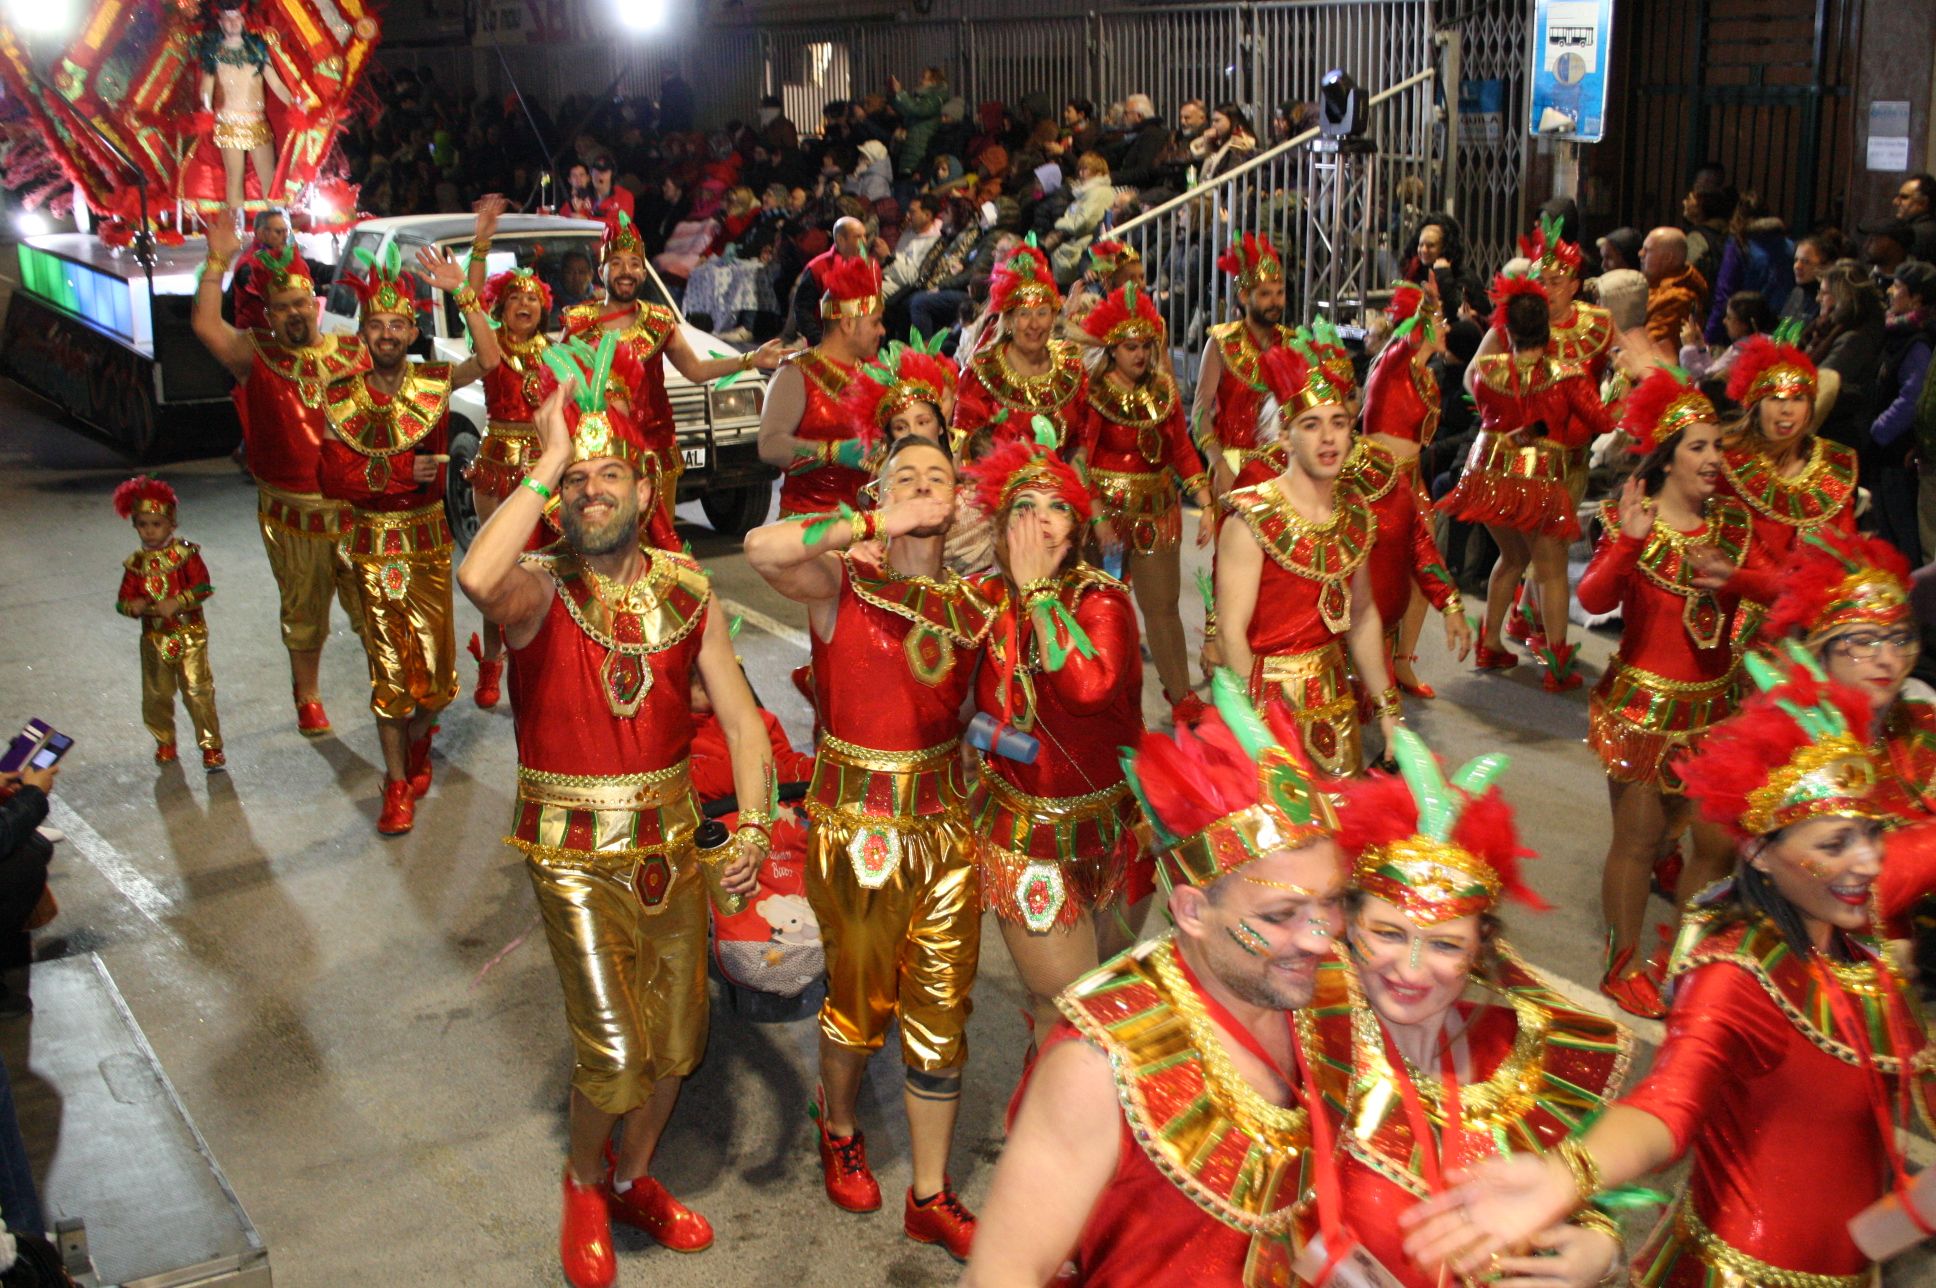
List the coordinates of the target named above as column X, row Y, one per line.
column 694, row 458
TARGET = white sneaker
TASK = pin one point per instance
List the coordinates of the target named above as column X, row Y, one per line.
column 52, row 835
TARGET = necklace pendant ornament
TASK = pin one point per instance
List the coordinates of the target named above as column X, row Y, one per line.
column 1149, row 443
column 394, row 577
column 155, row 584
column 929, row 655
column 1702, row 617
column 1334, row 605
column 1040, row 893
column 376, row 474
column 875, row 853
column 626, row 678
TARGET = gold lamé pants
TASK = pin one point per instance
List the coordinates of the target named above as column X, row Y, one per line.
column 634, row 979
column 299, row 532
column 177, row 661
column 910, row 947
column 1316, row 685
column 407, row 633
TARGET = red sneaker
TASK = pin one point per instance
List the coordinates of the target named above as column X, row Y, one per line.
column 166, row 754
column 585, row 1237
column 1634, row 990
column 416, row 763
column 215, row 762
column 843, row 1166
column 646, row 1205
column 943, row 1219
column 1187, row 711
column 490, row 675
column 1487, row 659
column 399, row 808
column 311, row 720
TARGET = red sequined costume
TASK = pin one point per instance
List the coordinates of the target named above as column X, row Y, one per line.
column 395, row 535
column 818, row 487
column 1520, row 482
column 1403, row 551
column 174, row 650
column 990, row 385
column 1057, row 837
column 646, row 329
column 605, row 815
column 891, row 874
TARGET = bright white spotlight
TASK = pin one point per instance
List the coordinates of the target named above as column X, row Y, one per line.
column 31, row 223
column 641, row 15
column 53, row 16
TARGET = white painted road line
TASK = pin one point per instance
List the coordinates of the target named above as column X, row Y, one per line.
column 147, row 898
column 773, row 626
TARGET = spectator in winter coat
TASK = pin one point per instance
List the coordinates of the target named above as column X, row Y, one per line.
column 1890, row 471
column 1756, row 257
column 920, row 110
column 1137, row 161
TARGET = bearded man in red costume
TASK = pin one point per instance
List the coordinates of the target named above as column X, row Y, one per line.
column 650, row 334
column 1231, row 391
column 804, row 430
column 1294, row 590
column 281, row 372
column 606, row 633
column 890, row 862
column 1162, row 1138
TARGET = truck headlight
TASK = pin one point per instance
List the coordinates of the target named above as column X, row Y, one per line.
column 742, row 402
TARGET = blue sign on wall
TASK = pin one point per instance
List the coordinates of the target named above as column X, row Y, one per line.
column 1570, row 52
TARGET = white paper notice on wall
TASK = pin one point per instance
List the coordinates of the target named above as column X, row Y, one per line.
column 1889, row 154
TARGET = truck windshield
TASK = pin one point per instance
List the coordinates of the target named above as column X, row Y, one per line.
column 342, row 300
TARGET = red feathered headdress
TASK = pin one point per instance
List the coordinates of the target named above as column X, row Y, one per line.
column 1023, row 280
column 1124, row 314
column 1504, row 288
column 1252, row 259
column 1788, row 755
column 1547, row 250
column 1836, row 582
column 880, row 391
column 1433, row 849
column 621, row 238
column 144, row 495
column 1661, row 406
column 1017, row 465
column 1105, row 257
column 1300, row 379
column 1234, row 788
column 512, row 280
column 1765, row 369
column 850, row 288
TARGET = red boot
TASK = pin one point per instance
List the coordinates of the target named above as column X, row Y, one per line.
column 1634, row 990
column 1186, row 710
column 646, row 1205
column 311, row 720
column 215, row 762
column 166, row 753
column 585, row 1237
column 843, row 1166
column 1560, row 674
column 943, row 1219
column 1488, row 659
column 416, row 764
column 399, row 808
column 490, row 675
column 1520, row 625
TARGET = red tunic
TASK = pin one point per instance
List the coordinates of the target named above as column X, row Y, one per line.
column 1514, row 483
column 389, row 431
column 1401, row 398
column 175, row 571
column 1753, row 1092
column 282, row 406
column 1526, row 1101
column 1403, row 551
column 1821, row 495
column 1304, row 596
column 1128, row 434
column 559, row 683
column 514, row 388
column 990, row 386
column 811, row 487
column 645, row 337
column 1241, row 391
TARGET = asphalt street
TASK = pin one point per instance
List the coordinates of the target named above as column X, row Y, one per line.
column 368, row 1032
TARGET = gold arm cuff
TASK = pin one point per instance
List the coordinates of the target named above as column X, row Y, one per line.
column 653, row 790
column 1581, row 1166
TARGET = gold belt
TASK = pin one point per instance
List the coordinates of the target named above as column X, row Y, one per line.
column 1051, row 809
column 653, row 790
column 511, row 429
column 854, row 756
column 1312, row 664
column 381, row 519
column 1737, row 1266
column 1157, row 479
column 1683, row 690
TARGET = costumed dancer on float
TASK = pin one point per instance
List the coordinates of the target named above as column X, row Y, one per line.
column 608, row 633
column 891, row 873
column 1021, row 368
column 518, row 302
column 805, row 430
column 1787, row 1030
column 237, row 78
column 1583, row 336
column 1293, row 590
column 163, row 586
column 1136, row 441
column 1061, row 691
column 1401, row 416
column 1227, row 410
column 1534, row 410
column 1794, row 482
column 1435, row 1045
column 384, row 460
column 280, row 375
column 651, row 335
column 1674, row 672
column 1163, row 1136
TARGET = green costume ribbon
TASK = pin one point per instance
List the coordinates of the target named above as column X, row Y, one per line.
column 819, row 525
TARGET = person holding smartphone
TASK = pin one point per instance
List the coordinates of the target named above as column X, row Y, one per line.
column 24, row 855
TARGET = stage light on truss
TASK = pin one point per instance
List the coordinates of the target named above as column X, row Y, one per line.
column 31, row 223
column 641, row 15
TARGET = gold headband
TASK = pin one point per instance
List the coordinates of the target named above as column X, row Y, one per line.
column 1430, row 881
column 858, row 307
column 1832, row 777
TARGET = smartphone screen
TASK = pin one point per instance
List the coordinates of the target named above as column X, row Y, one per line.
column 23, row 745
column 52, row 750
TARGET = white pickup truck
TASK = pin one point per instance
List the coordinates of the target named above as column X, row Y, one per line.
column 718, row 428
